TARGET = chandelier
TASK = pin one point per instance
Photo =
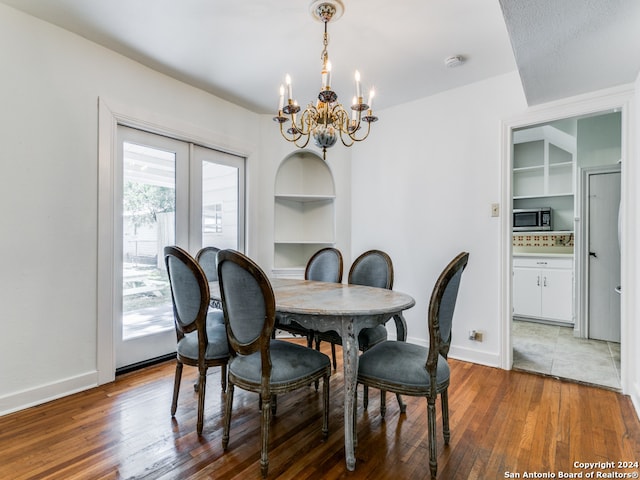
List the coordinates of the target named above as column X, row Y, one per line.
column 326, row 120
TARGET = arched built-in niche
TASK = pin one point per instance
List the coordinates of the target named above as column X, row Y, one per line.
column 304, row 211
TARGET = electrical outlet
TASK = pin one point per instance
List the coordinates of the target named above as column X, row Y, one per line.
column 495, row 209
column 475, row 335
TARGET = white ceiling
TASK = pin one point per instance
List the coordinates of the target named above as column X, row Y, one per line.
column 241, row 50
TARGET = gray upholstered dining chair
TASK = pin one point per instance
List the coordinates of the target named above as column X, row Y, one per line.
column 324, row 266
column 259, row 363
column 409, row 369
column 201, row 338
column 373, row 268
column 207, row 259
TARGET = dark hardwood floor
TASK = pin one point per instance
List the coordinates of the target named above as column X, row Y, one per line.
column 501, row 422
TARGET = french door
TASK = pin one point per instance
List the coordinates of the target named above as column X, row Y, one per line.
column 169, row 192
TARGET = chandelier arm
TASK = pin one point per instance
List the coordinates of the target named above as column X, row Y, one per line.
column 353, row 136
column 308, row 118
column 289, row 137
column 307, row 137
column 342, row 123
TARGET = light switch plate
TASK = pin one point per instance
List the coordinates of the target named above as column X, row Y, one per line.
column 495, row 209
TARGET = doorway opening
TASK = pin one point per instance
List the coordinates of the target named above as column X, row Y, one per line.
column 555, row 282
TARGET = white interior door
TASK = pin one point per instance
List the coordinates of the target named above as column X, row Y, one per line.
column 604, row 257
column 169, row 192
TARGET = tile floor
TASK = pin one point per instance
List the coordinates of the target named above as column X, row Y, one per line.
column 553, row 350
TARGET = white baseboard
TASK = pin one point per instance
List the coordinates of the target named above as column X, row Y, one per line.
column 466, row 354
column 14, row 402
column 475, row 356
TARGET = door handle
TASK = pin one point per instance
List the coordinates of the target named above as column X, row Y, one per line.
column 593, row 254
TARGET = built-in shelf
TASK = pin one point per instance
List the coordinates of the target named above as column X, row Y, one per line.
column 543, row 162
column 304, row 198
column 304, row 211
column 551, row 195
column 544, row 172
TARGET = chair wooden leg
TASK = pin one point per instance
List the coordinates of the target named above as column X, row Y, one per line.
column 325, row 402
column 401, row 404
column 202, row 387
column 274, row 404
column 333, row 356
column 365, row 397
column 227, row 417
column 383, row 403
column 223, row 379
column 266, row 420
column 444, row 398
column 433, row 445
column 176, row 388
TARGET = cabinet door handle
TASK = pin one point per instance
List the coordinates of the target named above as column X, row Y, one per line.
column 544, row 282
column 538, row 280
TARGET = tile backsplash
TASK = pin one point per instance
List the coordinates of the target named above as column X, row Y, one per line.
column 543, row 240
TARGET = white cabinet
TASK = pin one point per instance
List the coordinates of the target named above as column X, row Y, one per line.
column 304, row 211
column 543, row 288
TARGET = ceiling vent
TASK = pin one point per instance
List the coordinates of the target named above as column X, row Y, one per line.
column 454, row 61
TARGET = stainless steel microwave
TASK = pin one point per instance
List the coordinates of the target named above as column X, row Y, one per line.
column 532, row 219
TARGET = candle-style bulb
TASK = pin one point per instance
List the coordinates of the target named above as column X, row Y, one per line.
column 287, row 80
column 372, row 94
column 358, row 92
column 281, row 102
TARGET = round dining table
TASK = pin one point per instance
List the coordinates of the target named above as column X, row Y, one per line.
column 346, row 309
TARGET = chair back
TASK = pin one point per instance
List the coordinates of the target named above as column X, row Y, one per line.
column 372, row 269
column 325, row 266
column 189, row 292
column 248, row 303
column 206, row 257
column 442, row 306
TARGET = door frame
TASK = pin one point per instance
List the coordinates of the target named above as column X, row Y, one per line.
column 581, row 253
column 620, row 99
column 112, row 113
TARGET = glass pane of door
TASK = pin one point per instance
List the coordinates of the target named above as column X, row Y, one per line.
column 221, row 203
column 148, row 225
column 152, row 187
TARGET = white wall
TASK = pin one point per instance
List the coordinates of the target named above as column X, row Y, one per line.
column 423, row 185
column 49, row 93
column 633, row 235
